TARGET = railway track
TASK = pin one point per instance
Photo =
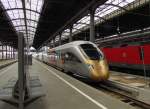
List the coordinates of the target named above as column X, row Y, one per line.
column 130, row 95
column 125, row 93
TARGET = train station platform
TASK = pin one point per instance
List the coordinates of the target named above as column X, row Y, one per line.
column 4, row 63
column 62, row 91
column 130, row 79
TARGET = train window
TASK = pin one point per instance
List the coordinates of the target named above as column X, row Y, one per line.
column 91, row 51
column 71, row 57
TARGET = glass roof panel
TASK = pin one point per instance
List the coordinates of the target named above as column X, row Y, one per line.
column 19, row 28
column 31, row 29
column 8, row 4
column 101, row 11
column 74, row 30
column 35, row 24
column 16, row 14
column 23, row 27
column 81, row 23
column 106, row 9
column 66, row 32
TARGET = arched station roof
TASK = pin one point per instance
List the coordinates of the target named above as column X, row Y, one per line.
column 113, row 19
column 24, row 15
column 37, row 19
column 43, row 20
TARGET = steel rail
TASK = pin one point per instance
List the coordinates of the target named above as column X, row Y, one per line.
column 126, row 91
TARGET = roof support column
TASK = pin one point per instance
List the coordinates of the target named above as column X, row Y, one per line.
column 2, row 52
column 9, row 52
column 60, row 38
column 21, row 71
column 6, row 51
column 13, row 53
column 70, row 38
column 92, row 28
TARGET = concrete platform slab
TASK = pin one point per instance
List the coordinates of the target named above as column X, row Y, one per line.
column 130, row 79
column 4, row 63
column 63, row 91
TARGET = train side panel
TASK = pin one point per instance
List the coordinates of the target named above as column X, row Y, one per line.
column 146, row 54
column 129, row 56
column 132, row 55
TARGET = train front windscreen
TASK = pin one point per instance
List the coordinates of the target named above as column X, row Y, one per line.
column 91, row 51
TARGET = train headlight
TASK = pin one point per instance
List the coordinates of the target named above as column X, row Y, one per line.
column 90, row 66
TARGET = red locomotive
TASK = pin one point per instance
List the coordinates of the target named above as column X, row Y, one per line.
column 133, row 57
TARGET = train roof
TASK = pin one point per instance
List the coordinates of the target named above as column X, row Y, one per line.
column 71, row 44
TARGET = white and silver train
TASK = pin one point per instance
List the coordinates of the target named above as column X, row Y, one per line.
column 83, row 58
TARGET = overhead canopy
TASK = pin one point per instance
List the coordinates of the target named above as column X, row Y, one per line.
column 7, row 32
column 24, row 19
column 39, row 19
column 42, row 20
column 54, row 15
column 113, row 17
column 100, row 13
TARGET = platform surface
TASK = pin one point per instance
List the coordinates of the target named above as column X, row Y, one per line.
column 5, row 63
column 2, row 62
column 62, row 91
column 130, row 79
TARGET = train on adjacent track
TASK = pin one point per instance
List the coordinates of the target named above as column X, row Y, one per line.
column 129, row 56
column 82, row 58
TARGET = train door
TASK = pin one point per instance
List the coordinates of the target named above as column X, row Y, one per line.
column 74, row 64
column 78, row 67
column 67, row 62
column 59, row 59
column 62, row 60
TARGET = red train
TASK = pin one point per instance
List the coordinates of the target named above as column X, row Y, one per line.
column 133, row 57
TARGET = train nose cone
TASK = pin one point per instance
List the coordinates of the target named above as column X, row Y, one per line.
column 104, row 75
column 100, row 71
column 100, row 75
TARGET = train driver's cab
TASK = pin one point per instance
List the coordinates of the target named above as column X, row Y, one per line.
column 91, row 52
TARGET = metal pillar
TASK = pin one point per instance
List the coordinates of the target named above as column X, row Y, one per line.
column 13, row 54
column 24, row 91
column 9, row 52
column 59, row 38
column 92, row 28
column 6, row 51
column 21, row 70
column 2, row 52
column 70, row 38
